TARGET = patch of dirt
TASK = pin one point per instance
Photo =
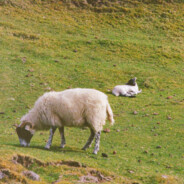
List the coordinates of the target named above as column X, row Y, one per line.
column 27, row 161
column 92, row 176
column 7, row 175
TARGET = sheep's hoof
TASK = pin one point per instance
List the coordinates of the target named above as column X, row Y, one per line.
column 47, row 147
column 62, row 146
column 95, row 152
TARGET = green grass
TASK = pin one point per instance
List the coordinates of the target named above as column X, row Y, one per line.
column 71, row 47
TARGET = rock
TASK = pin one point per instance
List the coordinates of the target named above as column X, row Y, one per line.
column 31, row 70
column 155, row 113
column 114, row 152
column 164, row 176
column 169, row 97
column 131, row 172
column 24, row 60
column 28, row 75
column 2, row 175
column 104, row 155
column 169, row 118
column 107, row 130
column 31, row 175
column 159, row 147
column 135, row 112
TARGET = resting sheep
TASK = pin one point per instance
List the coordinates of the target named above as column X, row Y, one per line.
column 74, row 108
column 129, row 89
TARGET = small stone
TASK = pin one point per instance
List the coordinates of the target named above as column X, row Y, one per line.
column 158, row 147
column 168, row 167
column 28, row 75
column 24, row 60
column 169, row 118
column 31, row 70
column 114, row 65
column 107, row 130
column 118, row 130
column 131, row 172
column 155, row 113
column 164, row 176
column 104, row 155
column 75, row 50
column 114, row 152
column 135, row 112
column 169, row 97
column 2, row 175
column 31, row 175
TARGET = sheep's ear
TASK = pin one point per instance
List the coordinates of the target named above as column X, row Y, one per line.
column 29, row 128
column 24, row 123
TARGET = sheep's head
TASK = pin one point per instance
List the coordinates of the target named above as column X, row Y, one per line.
column 25, row 133
column 132, row 82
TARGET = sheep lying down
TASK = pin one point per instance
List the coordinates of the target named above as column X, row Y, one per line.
column 73, row 108
column 129, row 89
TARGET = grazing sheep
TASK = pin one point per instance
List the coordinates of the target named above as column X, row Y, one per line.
column 74, row 108
column 129, row 89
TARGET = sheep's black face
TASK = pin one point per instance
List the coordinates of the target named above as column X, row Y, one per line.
column 132, row 82
column 24, row 136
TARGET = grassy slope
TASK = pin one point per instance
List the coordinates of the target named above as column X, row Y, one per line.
column 99, row 50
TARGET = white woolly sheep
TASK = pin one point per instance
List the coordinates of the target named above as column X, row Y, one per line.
column 73, row 107
column 129, row 89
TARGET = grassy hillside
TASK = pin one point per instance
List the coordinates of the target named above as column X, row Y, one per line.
column 54, row 45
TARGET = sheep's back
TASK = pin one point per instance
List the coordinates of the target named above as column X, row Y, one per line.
column 73, row 107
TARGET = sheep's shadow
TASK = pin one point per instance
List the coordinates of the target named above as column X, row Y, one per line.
column 52, row 149
column 110, row 93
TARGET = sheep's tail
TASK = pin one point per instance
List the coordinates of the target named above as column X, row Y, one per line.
column 110, row 114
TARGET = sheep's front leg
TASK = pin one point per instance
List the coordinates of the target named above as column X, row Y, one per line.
column 97, row 143
column 89, row 141
column 49, row 142
column 63, row 142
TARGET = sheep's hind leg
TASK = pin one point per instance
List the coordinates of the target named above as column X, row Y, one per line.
column 89, row 141
column 97, row 143
column 63, row 142
column 49, row 142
